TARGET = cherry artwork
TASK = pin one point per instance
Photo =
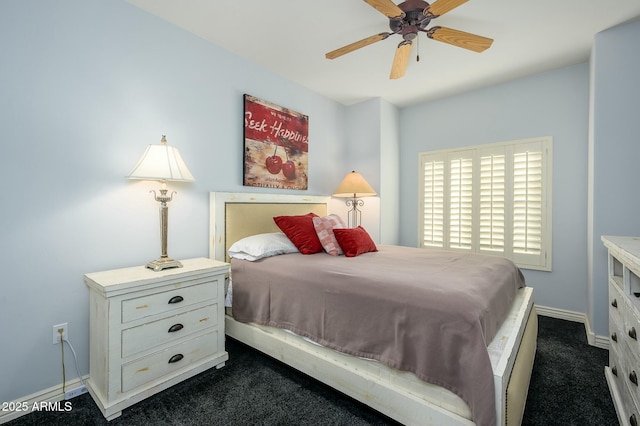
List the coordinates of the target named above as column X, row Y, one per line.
column 288, row 168
column 274, row 165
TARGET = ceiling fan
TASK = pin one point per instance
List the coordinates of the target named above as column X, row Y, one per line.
column 408, row 18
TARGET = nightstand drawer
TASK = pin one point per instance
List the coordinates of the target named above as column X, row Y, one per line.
column 147, row 336
column 162, row 363
column 173, row 298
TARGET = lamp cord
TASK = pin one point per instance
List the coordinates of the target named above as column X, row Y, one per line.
column 76, row 360
column 75, row 357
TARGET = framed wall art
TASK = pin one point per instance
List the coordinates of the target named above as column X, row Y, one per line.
column 276, row 153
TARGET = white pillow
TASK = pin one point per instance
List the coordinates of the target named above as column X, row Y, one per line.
column 260, row 246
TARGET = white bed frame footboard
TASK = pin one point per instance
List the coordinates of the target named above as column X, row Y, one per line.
column 391, row 392
column 337, row 371
column 386, row 390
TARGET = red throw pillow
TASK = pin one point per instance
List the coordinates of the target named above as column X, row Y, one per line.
column 354, row 241
column 301, row 232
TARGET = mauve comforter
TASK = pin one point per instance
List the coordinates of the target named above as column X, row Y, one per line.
column 429, row 312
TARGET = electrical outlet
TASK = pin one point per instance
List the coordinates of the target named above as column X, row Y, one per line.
column 56, row 332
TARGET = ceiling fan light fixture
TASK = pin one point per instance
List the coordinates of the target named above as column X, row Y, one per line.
column 409, row 33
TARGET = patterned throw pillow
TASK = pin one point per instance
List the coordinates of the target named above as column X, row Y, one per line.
column 324, row 229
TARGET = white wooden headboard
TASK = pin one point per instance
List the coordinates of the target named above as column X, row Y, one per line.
column 236, row 215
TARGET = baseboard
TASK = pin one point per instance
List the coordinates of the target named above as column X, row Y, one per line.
column 48, row 399
column 593, row 339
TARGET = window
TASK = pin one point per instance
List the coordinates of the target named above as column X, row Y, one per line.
column 491, row 199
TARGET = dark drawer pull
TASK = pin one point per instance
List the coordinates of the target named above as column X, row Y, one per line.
column 176, row 299
column 614, row 370
column 632, row 333
column 614, row 303
column 614, row 337
column 633, row 378
column 175, row 327
column 633, row 420
column 175, row 358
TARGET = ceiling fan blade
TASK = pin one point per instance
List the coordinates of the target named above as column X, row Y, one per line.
column 401, row 60
column 440, row 7
column 460, row 38
column 356, row 45
column 386, row 7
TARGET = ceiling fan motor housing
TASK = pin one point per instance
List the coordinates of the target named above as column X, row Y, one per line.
column 413, row 20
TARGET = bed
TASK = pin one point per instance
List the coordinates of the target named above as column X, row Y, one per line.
column 396, row 393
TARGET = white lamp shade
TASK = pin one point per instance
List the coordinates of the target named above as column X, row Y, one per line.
column 161, row 162
column 354, row 185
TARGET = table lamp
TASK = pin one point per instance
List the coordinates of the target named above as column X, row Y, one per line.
column 163, row 163
column 354, row 186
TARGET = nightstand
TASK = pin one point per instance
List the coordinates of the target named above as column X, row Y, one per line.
column 150, row 330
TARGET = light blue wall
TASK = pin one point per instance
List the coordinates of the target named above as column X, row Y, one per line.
column 616, row 149
column 85, row 85
column 549, row 104
column 373, row 148
column 363, row 140
column 389, row 174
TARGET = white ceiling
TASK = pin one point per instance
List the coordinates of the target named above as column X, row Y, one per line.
column 291, row 37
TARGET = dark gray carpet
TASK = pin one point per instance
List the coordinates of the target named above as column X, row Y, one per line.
column 567, row 388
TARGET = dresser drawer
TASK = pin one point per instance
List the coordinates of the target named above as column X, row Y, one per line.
column 616, row 335
column 631, row 410
column 631, row 373
column 617, row 368
column 617, row 304
column 147, row 336
column 167, row 301
column 156, row 365
column 628, row 406
column 630, row 403
column 632, row 330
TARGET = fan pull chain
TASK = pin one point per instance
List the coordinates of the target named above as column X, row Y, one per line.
column 418, row 50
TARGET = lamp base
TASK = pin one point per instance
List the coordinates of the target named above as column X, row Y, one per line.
column 163, row 263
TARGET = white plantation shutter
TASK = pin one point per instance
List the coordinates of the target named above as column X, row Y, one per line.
column 528, row 175
column 492, row 199
column 433, row 203
column 460, row 202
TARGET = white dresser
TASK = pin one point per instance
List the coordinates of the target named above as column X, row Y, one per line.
column 623, row 371
column 150, row 330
